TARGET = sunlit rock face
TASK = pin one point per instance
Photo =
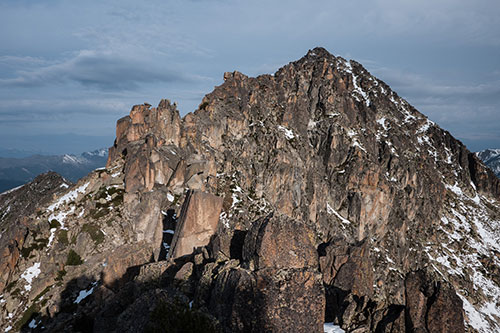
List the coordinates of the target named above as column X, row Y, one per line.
column 323, row 197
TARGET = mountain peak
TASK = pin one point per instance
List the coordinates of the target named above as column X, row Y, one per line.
column 316, row 194
column 319, row 52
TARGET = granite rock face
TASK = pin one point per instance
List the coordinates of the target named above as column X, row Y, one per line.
column 199, row 217
column 319, row 194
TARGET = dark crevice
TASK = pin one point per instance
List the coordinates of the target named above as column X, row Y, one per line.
column 335, row 304
column 322, row 249
column 169, row 223
column 394, row 311
column 430, row 300
column 472, row 168
column 236, row 246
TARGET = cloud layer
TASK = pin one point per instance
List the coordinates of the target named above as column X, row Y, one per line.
column 76, row 67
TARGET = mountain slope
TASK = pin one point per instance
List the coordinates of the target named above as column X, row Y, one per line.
column 283, row 202
column 18, row 171
column 491, row 157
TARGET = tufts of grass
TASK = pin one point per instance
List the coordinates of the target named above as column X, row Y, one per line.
column 95, row 233
column 10, row 286
column 40, row 295
column 30, row 312
column 62, row 237
column 54, row 223
column 60, row 275
column 37, row 244
column 98, row 213
column 16, row 292
column 73, row 258
column 177, row 317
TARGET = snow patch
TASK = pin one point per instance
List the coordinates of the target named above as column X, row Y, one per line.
column 11, row 190
column 355, row 143
column 84, row 293
column 29, row 274
column 72, row 159
column 357, row 88
column 382, row 123
column 330, row 211
column 331, row 328
column 33, row 324
column 288, row 133
column 70, row 196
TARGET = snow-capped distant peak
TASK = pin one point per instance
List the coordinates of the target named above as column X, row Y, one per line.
column 72, row 159
column 491, row 157
column 98, row 152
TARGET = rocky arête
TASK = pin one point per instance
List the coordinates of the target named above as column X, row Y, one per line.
column 285, row 201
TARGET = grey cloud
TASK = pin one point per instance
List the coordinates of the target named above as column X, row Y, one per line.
column 132, row 52
column 17, row 61
column 427, row 87
column 104, row 71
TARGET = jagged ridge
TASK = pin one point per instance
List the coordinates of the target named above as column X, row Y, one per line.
column 399, row 212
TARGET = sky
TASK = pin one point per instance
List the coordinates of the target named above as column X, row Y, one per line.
column 70, row 69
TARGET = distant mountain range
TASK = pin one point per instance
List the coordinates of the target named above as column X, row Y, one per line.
column 18, row 171
column 491, row 157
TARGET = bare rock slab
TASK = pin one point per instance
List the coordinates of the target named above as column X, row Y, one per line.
column 198, row 222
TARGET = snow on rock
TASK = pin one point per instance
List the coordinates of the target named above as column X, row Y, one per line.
column 29, row 274
column 75, row 160
column 357, row 88
column 60, row 217
column 12, row 190
column 33, row 324
column 469, row 236
column 382, row 123
column 330, row 211
column 85, row 293
column 68, row 197
column 288, row 133
column 331, row 328
column 355, row 142
column 170, row 197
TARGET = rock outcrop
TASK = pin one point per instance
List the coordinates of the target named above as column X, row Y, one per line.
column 315, row 194
column 199, row 218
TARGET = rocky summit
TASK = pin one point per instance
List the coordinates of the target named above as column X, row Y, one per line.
column 308, row 200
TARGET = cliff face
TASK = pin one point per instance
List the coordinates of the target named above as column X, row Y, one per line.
column 336, row 201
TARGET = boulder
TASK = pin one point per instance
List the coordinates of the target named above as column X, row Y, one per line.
column 198, row 222
column 432, row 306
